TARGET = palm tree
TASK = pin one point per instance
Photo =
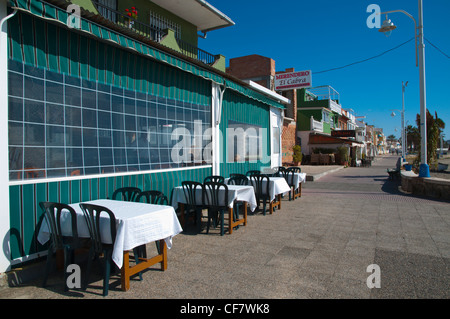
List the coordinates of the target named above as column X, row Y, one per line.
column 435, row 126
column 412, row 137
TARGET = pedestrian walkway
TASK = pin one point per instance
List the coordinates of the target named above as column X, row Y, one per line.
column 318, row 246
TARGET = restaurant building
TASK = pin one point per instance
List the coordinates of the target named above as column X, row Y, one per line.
column 97, row 101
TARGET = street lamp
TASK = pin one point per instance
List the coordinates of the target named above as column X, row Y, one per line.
column 403, row 132
column 387, row 27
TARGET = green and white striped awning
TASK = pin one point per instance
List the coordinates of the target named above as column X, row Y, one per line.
column 30, row 52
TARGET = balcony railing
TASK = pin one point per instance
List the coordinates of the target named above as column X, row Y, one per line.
column 152, row 33
column 316, row 125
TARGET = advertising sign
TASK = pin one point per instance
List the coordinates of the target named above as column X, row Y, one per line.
column 343, row 133
column 292, row 80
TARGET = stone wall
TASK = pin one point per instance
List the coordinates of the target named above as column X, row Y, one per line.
column 432, row 186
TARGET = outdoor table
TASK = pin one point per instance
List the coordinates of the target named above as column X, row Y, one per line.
column 137, row 224
column 240, row 193
column 277, row 187
column 299, row 178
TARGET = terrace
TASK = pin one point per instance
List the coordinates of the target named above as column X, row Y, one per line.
column 159, row 29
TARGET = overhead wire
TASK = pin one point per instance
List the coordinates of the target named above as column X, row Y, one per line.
column 381, row 54
column 365, row 60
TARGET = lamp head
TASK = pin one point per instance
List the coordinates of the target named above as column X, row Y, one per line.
column 387, row 27
column 393, row 114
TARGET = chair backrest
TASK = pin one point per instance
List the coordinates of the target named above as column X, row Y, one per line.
column 190, row 189
column 238, row 179
column 281, row 169
column 254, row 172
column 214, row 178
column 92, row 214
column 126, row 193
column 215, row 195
column 296, row 169
column 288, row 175
column 260, row 183
column 52, row 215
column 153, row 197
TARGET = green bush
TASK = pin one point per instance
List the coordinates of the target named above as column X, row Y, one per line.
column 297, row 153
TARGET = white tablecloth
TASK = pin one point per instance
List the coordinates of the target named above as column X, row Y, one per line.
column 277, row 185
column 136, row 223
column 235, row 192
column 299, row 178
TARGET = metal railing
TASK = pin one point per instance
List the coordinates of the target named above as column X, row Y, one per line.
column 152, row 33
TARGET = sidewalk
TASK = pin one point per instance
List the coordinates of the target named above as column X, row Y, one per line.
column 318, row 246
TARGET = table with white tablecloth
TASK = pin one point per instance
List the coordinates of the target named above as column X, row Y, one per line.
column 277, row 187
column 236, row 193
column 136, row 223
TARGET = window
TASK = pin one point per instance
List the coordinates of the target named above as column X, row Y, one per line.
column 63, row 126
column 244, row 142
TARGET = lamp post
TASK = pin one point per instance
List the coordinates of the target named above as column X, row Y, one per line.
column 387, row 28
column 403, row 131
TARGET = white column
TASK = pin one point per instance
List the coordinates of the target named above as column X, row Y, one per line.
column 216, row 136
column 4, row 162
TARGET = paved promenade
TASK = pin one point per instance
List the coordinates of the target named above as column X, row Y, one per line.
column 318, row 246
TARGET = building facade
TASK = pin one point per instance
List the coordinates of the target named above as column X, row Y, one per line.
column 97, row 102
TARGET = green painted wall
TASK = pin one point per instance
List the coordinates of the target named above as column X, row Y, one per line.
column 304, row 118
column 188, row 30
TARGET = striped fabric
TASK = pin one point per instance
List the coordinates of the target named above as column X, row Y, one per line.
column 32, row 47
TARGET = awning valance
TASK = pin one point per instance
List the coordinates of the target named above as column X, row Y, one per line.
column 58, row 16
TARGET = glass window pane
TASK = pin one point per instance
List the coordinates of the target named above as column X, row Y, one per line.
column 15, row 109
column 72, row 95
column 54, row 92
column 54, row 114
column 73, row 136
column 34, row 134
column 34, row 88
column 73, row 116
column 34, row 112
column 15, row 133
column 55, row 157
column 55, row 135
column 74, row 157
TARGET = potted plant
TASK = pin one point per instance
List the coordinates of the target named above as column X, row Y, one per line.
column 132, row 14
column 343, row 155
column 298, row 156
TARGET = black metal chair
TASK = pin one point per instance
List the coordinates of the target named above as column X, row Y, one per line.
column 260, row 183
column 193, row 193
column 126, row 193
column 216, row 201
column 237, row 179
column 214, row 178
column 92, row 216
column 297, row 192
column 252, row 172
column 52, row 215
column 288, row 175
column 296, row 169
column 153, row 197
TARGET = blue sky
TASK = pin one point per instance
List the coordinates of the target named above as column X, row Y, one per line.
column 324, row 34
